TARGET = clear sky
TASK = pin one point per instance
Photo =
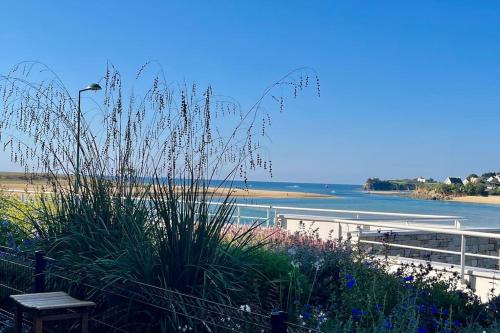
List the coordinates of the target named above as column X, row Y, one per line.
column 408, row 88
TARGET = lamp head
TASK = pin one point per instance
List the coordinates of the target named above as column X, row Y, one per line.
column 93, row 86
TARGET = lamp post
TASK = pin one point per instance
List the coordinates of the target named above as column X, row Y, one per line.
column 94, row 87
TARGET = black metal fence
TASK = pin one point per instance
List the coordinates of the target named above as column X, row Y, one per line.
column 132, row 307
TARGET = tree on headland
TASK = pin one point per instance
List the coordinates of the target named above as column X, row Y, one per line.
column 487, row 175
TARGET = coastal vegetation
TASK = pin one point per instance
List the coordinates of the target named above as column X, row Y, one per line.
column 140, row 228
column 473, row 185
column 328, row 286
column 376, row 184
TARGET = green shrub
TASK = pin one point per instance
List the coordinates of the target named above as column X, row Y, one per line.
column 494, row 191
column 355, row 292
column 475, row 189
column 15, row 229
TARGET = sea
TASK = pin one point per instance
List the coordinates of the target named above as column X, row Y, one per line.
column 352, row 197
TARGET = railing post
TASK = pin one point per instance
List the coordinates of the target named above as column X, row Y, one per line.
column 457, row 224
column 275, row 217
column 268, row 216
column 278, row 322
column 462, row 259
column 498, row 259
column 40, row 264
column 238, row 217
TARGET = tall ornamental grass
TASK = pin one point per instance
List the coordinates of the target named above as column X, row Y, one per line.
column 155, row 156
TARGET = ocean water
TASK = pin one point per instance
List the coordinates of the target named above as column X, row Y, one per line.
column 351, row 197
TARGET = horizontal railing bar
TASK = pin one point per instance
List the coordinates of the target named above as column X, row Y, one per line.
column 253, row 217
column 365, row 212
column 409, row 247
column 485, row 256
column 246, row 217
column 448, row 231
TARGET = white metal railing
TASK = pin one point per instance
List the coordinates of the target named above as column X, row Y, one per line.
column 442, row 224
column 457, row 231
column 270, row 213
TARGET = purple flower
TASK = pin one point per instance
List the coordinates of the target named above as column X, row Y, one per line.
column 422, row 330
column 357, row 314
column 378, row 307
column 388, row 325
column 351, row 281
column 306, row 315
column 409, row 278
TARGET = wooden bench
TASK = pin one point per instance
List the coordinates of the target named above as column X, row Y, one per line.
column 50, row 306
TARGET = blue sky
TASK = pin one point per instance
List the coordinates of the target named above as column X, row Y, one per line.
column 408, row 88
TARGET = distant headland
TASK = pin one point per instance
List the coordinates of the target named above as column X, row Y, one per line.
column 473, row 188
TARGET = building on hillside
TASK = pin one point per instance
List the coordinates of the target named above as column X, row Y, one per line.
column 493, row 182
column 421, row 180
column 475, row 180
column 494, row 179
column 471, row 180
column 453, row 181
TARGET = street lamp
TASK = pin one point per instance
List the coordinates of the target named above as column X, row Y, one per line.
column 94, row 87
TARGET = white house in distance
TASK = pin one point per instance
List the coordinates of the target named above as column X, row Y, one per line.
column 421, row 180
column 494, row 179
column 472, row 180
column 453, row 181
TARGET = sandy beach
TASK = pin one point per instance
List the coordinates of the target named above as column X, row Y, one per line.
column 17, row 183
column 492, row 200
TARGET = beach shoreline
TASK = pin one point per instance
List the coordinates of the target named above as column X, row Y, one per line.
column 20, row 187
column 490, row 200
column 400, row 193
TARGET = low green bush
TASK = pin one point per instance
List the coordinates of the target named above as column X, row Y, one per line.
column 15, row 231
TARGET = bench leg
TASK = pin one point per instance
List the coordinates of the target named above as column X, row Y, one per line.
column 85, row 322
column 18, row 320
column 37, row 324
